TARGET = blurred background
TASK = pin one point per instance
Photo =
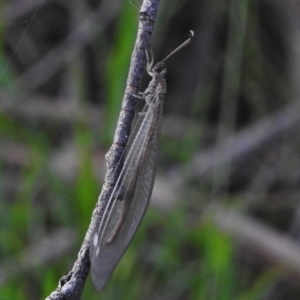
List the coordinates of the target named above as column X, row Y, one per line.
column 224, row 219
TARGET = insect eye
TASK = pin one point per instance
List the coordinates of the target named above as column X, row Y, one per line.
column 160, row 67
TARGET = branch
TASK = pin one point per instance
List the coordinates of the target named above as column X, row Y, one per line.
column 71, row 286
column 255, row 237
column 38, row 254
column 246, row 141
column 71, row 47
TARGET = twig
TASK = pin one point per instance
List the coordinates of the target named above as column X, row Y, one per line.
column 273, row 247
column 38, row 254
column 246, row 141
column 42, row 108
column 286, row 282
column 71, row 286
column 18, row 9
column 75, row 42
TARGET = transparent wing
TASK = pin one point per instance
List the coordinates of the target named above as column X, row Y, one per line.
column 127, row 205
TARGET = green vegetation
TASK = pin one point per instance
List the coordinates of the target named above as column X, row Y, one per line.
column 44, row 187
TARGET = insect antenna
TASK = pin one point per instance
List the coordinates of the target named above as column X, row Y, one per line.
column 191, row 35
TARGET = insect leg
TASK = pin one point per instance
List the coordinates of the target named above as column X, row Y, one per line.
column 150, row 61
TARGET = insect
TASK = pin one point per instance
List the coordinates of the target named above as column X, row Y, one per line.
column 130, row 197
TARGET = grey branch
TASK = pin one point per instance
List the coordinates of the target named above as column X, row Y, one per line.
column 38, row 254
column 72, row 46
column 71, row 285
column 258, row 238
